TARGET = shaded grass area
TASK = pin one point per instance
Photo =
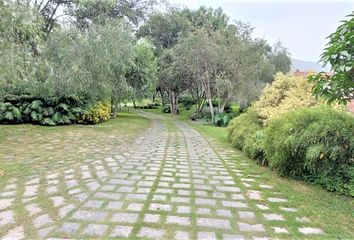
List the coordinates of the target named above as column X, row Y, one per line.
column 332, row 212
column 26, row 148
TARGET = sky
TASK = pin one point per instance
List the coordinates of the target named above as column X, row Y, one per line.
column 301, row 26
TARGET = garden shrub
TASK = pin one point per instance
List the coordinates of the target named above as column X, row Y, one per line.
column 254, row 147
column 286, row 93
column 99, row 112
column 51, row 112
column 313, row 144
column 222, row 119
column 187, row 100
column 243, row 127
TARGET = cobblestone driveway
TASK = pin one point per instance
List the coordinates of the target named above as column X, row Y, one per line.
column 169, row 184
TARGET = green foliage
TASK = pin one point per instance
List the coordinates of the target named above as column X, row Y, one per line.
column 222, row 119
column 280, row 59
column 134, row 11
column 339, row 53
column 243, row 127
column 53, row 113
column 254, row 147
column 187, row 100
column 141, row 73
column 315, row 145
column 89, row 65
column 9, row 113
column 286, row 93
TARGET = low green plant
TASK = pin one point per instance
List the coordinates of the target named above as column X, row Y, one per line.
column 223, row 119
column 10, row 113
column 315, row 145
column 187, row 100
column 50, row 112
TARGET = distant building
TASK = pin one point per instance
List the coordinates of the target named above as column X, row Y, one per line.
column 299, row 73
column 350, row 106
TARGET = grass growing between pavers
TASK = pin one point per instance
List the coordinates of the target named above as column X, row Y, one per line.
column 329, row 211
column 26, row 148
column 29, row 150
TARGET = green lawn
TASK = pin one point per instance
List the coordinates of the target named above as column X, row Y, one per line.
column 332, row 212
column 26, row 149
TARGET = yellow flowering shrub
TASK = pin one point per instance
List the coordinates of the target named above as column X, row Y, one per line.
column 100, row 112
column 286, row 93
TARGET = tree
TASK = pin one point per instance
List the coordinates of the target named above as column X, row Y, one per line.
column 164, row 29
column 200, row 56
column 90, row 65
column 49, row 10
column 21, row 39
column 339, row 53
column 133, row 11
column 173, row 76
column 280, row 59
column 142, row 71
column 207, row 18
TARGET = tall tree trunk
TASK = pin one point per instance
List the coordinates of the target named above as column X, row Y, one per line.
column 208, row 93
column 174, row 103
column 162, row 97
column 211, row 109
column 222, row 107
column 154, row 95
column 134, row 104
column 114, row 107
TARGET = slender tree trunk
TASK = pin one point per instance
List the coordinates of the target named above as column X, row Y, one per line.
column 211, row 109
column 114, row 107
column 134, row 104
column 154, row 95
column 162, row 97
column 174, row 103
column 222, row 107
column 208, row 93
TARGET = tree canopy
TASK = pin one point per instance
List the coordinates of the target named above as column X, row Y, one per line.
column 116, row 51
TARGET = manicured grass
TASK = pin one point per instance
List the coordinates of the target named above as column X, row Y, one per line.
column 26, row 148
column 332, row 212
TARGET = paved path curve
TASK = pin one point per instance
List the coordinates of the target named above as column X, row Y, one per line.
column 170, row 184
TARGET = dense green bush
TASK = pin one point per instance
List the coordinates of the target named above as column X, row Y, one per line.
column 243, row 127
column 187, row 100
column 254, row 147
column 26, row 109
column 313, row 144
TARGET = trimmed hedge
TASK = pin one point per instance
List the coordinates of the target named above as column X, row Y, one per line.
column 315, row 145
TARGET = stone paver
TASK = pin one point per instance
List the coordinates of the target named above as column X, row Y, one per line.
column 164, row 185
column 121, row 231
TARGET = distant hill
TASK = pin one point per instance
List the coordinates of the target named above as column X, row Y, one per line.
column 307, row 66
